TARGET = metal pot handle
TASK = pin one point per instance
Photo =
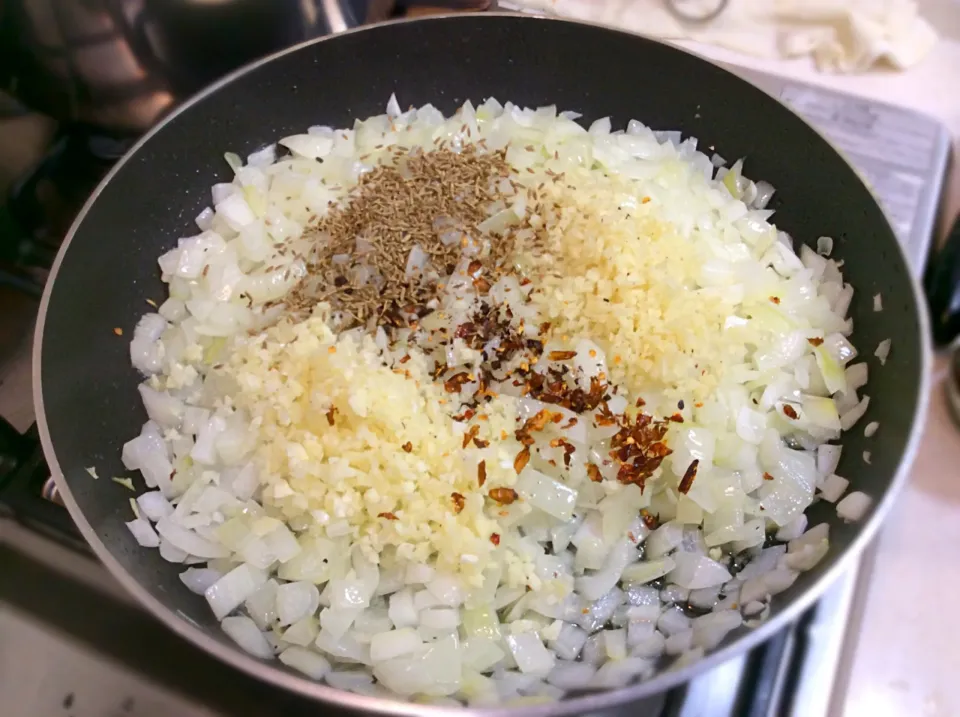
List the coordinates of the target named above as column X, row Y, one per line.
column 338, row 21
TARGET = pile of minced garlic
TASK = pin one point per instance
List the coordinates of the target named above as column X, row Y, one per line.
column 371, row 450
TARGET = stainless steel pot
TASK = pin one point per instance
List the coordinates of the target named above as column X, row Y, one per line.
column 121, row 64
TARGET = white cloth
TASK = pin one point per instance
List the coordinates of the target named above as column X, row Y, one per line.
column 844, row 36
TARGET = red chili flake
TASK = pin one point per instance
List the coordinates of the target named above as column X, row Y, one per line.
column 544, row 327
column 641, row 403
column 561, row 355
column 767, row 476
column 676, row 418
column 789, row 411
column 474, row 266
column 206, row 270
column 465, row 416
column 523, row 457
column 481, row 285
column 408, row 446
column 455, row 382
column 470, row 435
column 388, row 516
column 495, row 538
column 775, row 299
column 687, row 481
column 594, row 473
column 458, row 502
column 331, row 415
column 503, row 496
column 651, row 521
column 405, row 358
column 525, row 281
column 480, row 443
column 699, row 404
column 572, row 422
column 539, row 421
column 464, row 330
column 482, row 473
column 118, row 331
column 815, row 341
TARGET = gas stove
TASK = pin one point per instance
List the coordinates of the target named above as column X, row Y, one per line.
column 73, row 643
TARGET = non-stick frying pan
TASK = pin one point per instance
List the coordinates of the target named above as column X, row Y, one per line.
column 86, row 398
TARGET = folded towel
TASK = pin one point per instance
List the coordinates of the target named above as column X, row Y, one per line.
column 844, row 36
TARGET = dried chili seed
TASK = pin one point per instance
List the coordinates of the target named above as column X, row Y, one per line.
column 687, row 481
column 458, row 502
column 503, row 496
column 331, row 415
column 594, row 473
column 118, row 331
column 470, row 435
column 408, row 446
column 523, row 457
column 482, row 473
column 767, row 476
column 815, row 341
column 495, row 538
column 561, row 355
column 789, row 411
column 388, row 516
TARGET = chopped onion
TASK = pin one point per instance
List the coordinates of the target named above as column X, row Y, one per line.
column 144, row 533
column 871, row 428
column 198, row 580
column 849, row 418
column 232, row 589
column 308, row 662
column 877, row 303
column 530, row 654
column 245, row 633
column 883, row 351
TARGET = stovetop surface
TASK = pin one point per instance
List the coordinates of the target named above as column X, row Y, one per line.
column 72, row 643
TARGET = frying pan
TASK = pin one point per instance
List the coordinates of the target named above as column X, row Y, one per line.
column 85, row 389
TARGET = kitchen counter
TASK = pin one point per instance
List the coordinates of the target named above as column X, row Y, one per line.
column 900, row 658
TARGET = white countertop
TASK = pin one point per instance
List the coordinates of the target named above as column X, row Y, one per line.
column 901, row 658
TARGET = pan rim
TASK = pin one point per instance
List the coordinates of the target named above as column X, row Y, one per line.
column 271, row 672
